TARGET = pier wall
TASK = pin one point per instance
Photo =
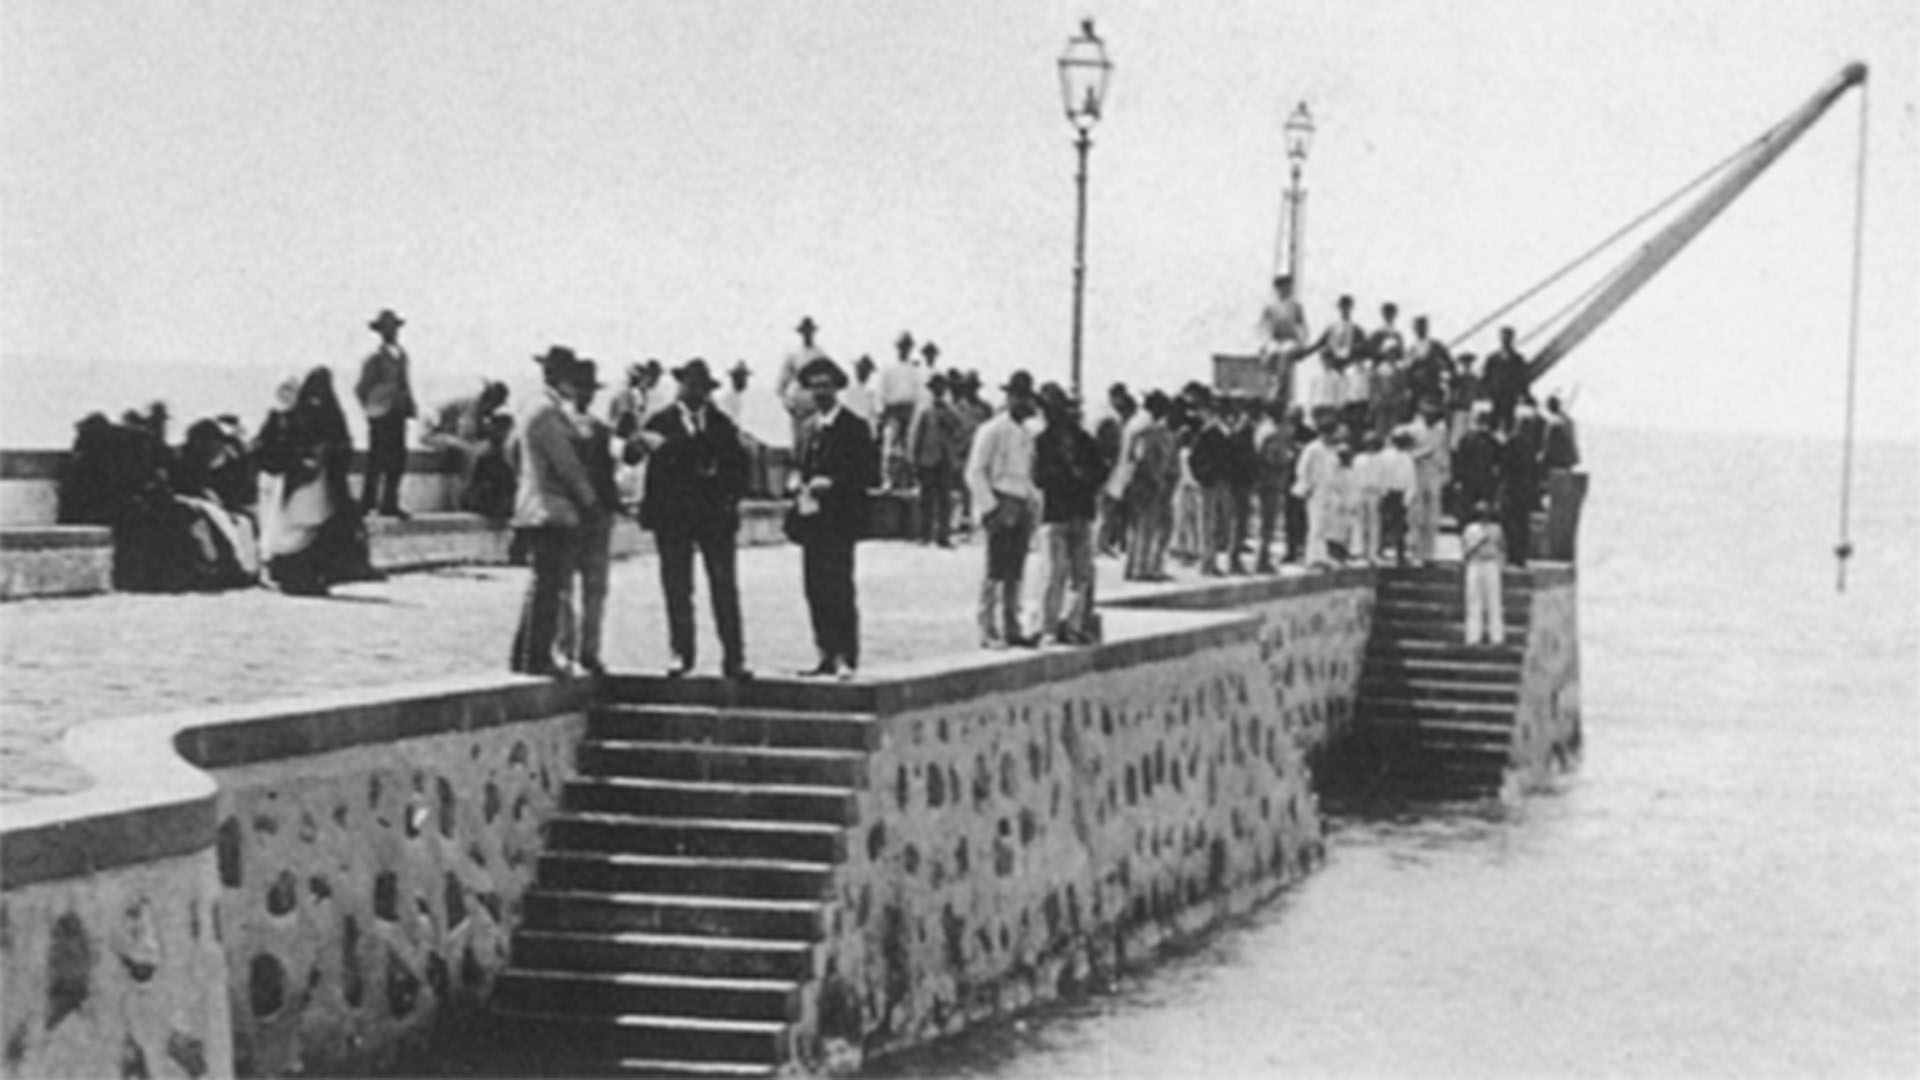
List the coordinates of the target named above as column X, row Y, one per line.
column 1546, row 729
column 329, row 891
column 1031, row 826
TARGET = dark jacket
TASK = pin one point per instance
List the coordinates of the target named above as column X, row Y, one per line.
column 1476, row 468
column 1068, row 468
column 694, row 481
column 1504, row 375
column 1212, row 461
column 843, row 452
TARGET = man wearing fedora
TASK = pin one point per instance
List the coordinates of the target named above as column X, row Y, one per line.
column 793, row 393
column 837, row 466
column 553, row 498
column 695, row 481
column 1000, row 477
column 386, row 394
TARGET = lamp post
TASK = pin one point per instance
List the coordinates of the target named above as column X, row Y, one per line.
column 1299, row 132
column 1084, row 71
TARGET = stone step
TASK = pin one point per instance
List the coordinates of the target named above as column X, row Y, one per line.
column 662, row 723
column 1462, row 714
column 1415, row 745
column 1386, row 645
column 585, row 1044
column 1449, row 572
column 730, row 957
column 1443, row 630
column 1417, row 665
column 1452, row 590
column 604, row 871
column 793, row 920
column 1388, row 685
column 733, row 764
column 804, row 841
column 608, row 993
column 1450, row 613
column 694, row 798
column 690, row 1070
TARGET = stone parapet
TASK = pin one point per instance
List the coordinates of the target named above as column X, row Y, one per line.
column 1546, row 729
column 310, row 886
column 55, row 560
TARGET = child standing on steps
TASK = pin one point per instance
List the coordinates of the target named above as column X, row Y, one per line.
column 1483, row 553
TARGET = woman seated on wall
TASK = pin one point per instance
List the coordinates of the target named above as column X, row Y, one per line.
column 312, row 530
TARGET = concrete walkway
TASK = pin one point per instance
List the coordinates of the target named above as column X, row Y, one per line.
column 70, row 661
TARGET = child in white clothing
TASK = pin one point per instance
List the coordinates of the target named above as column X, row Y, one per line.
column 1483, row 551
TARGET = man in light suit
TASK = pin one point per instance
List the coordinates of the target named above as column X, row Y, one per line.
column 553, row 496
column 695, row 482
column 838, row 465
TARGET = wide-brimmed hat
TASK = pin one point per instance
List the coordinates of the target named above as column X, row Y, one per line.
column 904, row 342
column 1019, row 383
column 694, row 373
column 586, row 373
column 556, row 358
column 386, row 320
column 929, row 350
column 1053, row 396
column 819, row 366
column 807, row 325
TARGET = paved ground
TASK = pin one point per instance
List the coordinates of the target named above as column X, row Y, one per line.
column 69, row 661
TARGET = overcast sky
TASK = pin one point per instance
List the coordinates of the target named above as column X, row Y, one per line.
column 245, row 184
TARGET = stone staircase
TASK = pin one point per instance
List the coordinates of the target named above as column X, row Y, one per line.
column 670, row 929
column 1435, row 716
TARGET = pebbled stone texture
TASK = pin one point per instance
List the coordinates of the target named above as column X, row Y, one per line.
column 361, row 877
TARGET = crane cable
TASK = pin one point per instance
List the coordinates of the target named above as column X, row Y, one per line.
column 1584, row 257
column 1843, row 550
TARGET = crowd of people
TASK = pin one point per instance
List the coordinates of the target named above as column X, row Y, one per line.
column 1358, row 444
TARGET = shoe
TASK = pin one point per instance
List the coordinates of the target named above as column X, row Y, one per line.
column 592, row 666
column 1023, row 641
column 736, row 673
column 679, row 670
column 848, row 673
column 824, row 669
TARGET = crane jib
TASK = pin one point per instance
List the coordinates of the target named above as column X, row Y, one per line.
column 1663, row 246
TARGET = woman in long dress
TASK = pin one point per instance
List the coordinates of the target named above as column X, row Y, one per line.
column 313, row 533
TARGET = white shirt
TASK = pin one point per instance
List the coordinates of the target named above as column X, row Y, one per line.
column 1315, row 474
column 902, row 382
column 858, row 397
column 1394, row 472
column 1000, row 461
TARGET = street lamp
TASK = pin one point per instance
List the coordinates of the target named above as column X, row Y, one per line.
column 1299, row 131
column 1084, row 71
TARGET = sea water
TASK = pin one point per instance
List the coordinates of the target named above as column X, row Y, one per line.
column 1728, row 886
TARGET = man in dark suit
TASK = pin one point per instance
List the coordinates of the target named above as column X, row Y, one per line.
column 837, row 467
column 1504, row 379
column 695, row 482
column 386, row 393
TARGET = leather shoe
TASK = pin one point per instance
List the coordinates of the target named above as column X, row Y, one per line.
column 737, row 672
column 679, row 670
column 824, row 669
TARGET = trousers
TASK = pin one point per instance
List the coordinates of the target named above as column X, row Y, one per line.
column 386, row 462
column 999, row 611
column 554, row 552
column 1067, row 605
column 1149, row 530
column 583, row 614
column 1486, row 622
column 826, row 570
column 715, row 541
column 1424, row 515
column 936, row 503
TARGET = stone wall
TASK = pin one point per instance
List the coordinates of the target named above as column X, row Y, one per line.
column 330, row 890
column 1313, row 640
column 55, row 560
column 1546, row 730
column 1061, row 820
